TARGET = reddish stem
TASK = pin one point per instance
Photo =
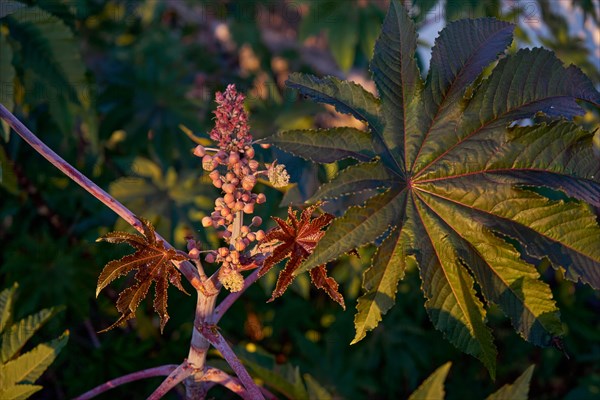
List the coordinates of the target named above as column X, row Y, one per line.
column 163, row 370
column 175, row 377
column 215, row 375
column 186, row 267
column 211, row 333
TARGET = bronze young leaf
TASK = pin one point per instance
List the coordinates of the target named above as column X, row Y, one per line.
column 453, row 178
column 295, row 238
column 153, row 263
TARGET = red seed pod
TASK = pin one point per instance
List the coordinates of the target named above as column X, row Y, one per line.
column 251, row 236
column 228, row 188
column 248, row 208
column 210, row 258
column 253, row 164
column 260, row 234
column 245, row 197
column 214, row 175
column 218, row 183
column 207, row 221
column 200, row 151
column 248, row 182
column 249, row 152
column 230, row 218
column 229, row 176
column 225, row 211
column 256, row 221
column 208, row 163
column 245, row 229
column 239, row 206
column 234, row 158
column 261, row 198
column 228, row 198
column 240, row 245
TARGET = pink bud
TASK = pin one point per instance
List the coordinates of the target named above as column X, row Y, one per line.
column 200, row 151
column 210, row 258
column 248, row 208
column 261, row 198
column 194, row 253
column 256, row 221
column 207, row 221
column 260, row 234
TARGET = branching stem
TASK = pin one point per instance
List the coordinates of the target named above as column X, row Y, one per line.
column 164, row 370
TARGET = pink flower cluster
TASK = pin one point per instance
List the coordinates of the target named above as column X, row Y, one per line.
column 231, row 130
column 233, row 170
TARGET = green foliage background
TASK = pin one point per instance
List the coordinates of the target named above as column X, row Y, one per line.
column 107, row 83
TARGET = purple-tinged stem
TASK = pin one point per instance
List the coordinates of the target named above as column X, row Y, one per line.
column 175, row 377
column 186, row 267
column 163, row 370
column 211, row 333
column 231, row 298
column 215, row 375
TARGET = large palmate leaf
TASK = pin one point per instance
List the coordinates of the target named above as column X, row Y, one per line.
column 153, row 262
column 457, row 179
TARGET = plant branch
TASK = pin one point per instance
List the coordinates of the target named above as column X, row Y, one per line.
column 215, row 375
column 175, row 377
column 185, row 267
column 135, row 376
column 211, row 333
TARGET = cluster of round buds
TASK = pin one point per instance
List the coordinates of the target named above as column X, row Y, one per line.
column 234, row 171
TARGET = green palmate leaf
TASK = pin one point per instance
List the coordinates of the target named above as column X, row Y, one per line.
column 18, row 334
column 30, row 366
column 519, row 390
column 433, row 387
column 7, row 298
column 346, row 97
column 396, row 76
column 326, row 145
column 451, row 303
column 464, row 186
column 358, row 226
column 380, row 282
column 354, row 179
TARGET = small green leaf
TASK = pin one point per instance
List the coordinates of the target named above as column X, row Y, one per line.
column 433, row 387
column 14, row 338
column 326, row 145
column 30, row 366
column 519, row 390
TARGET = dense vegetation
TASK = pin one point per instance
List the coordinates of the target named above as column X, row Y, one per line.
column 109, row 86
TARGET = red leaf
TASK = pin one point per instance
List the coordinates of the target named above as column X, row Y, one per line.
column 154, row 264
column 297, row 239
